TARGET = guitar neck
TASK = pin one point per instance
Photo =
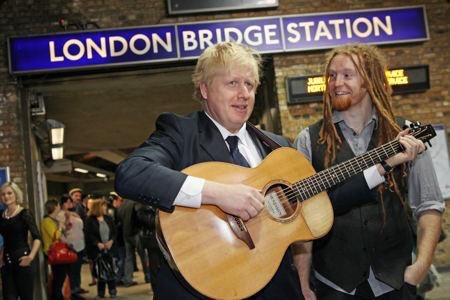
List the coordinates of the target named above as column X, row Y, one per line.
column 327, row 178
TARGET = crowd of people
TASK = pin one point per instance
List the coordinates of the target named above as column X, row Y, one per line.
column 92, row 226
column 366, row 255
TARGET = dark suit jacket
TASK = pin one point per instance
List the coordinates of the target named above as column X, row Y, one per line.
column 92, row 232
column 127, row 215
column 151, row 175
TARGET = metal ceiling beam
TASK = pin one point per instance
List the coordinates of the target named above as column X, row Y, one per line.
column 65, row 168
column 56, row 177
column 113, row 156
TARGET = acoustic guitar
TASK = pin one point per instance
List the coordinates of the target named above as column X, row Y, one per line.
column 222, row 257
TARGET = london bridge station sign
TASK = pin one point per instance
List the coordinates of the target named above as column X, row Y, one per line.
column 186, row 41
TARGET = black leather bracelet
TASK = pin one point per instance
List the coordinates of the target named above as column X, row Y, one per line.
column 387, row 168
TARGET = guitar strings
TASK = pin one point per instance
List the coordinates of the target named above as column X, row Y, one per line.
column 310, row 186
column 393, row 147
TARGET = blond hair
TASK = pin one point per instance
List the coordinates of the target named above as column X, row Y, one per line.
column 16, row 189
column 224, row 56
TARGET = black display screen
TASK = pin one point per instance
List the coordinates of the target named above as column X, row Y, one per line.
column 178, row 7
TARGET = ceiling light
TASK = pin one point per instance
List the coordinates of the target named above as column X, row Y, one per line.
column 101, row 175
column 56, row 132
column 57, row 152
column 81, row 170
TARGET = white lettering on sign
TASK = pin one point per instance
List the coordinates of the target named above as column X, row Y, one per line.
column 232, row 34
column 307, row 26
column 79, row 49
column 205, row 38
column 270, row 34
column 387, row 27
column 113, row 43
column 366, row 30
column 137, row 38
column 322, row 31
column 166, row 44
column 53, row 57
column 334, row 29
column 254, row 35
column 189, row 41
column 337, row 28
column 348, row 28
column 90, row 44
column 139, row 44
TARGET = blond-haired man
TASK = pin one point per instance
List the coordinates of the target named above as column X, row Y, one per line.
column 225, row 80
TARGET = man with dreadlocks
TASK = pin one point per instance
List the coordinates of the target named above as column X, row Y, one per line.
column 367, row 254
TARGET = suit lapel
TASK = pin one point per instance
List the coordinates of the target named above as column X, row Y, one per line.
column 211, row 140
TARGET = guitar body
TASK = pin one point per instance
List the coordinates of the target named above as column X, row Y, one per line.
column 207, row 252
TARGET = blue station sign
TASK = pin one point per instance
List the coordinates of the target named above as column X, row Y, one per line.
column 186, row 41
column 4, row 175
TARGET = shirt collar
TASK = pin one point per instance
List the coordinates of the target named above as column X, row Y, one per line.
column 241, row 134
column 338, row 117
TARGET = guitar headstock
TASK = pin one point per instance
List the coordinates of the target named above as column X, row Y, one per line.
column 422, row 132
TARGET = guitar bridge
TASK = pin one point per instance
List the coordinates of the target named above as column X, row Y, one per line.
column 240, row 230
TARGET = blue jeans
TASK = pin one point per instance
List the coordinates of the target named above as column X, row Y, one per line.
column 75, row 273
column 133, row 244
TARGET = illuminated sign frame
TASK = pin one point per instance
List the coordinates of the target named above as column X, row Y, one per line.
column 410, row 79
column 106, row 48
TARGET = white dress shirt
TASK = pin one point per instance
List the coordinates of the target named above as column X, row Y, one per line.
column 190, row 194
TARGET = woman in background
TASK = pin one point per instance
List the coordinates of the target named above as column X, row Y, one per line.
column 18, row 266
column 100, row 236
column 74, row 237
column 52, row 229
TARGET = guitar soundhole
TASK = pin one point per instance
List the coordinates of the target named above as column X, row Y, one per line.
column 281, row 202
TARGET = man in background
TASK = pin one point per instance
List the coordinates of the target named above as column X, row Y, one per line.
column 132, row 237
column 76, row 195
column 119, row 251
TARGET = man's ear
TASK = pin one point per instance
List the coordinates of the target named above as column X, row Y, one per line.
column 204, row 90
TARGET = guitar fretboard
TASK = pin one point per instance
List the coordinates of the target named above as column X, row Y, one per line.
column 325, row 179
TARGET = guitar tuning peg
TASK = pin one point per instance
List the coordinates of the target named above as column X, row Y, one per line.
column 414, row 125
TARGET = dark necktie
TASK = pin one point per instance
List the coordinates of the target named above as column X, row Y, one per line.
column 236, row 156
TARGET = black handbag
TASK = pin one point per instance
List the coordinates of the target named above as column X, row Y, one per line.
column 104, row 267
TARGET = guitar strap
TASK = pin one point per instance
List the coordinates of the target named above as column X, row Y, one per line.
column 263, row 137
